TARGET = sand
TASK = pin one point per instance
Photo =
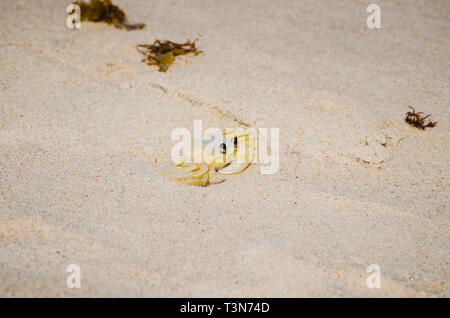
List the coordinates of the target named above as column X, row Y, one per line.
column 84, row 125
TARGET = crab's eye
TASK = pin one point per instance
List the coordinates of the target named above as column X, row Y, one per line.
column 235, row 142
column 223, row 148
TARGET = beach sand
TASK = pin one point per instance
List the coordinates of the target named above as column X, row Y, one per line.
column 84, row 125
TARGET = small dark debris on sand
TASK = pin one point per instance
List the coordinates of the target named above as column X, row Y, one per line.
column 418, row 120
column 163, row 53
column 105, row 11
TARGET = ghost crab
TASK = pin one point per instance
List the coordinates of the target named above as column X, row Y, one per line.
column 223, row 153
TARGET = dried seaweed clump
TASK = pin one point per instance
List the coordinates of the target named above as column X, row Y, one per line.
column 163, row 53
column 105, row 11
column 418, row 120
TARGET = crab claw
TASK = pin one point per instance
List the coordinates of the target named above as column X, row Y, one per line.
column 243, row 154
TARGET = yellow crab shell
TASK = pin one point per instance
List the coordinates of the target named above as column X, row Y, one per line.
column 234, row 156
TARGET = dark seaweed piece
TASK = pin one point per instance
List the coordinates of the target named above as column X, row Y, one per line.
column 105, row 11
column 418, row 120
column 163, row 53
